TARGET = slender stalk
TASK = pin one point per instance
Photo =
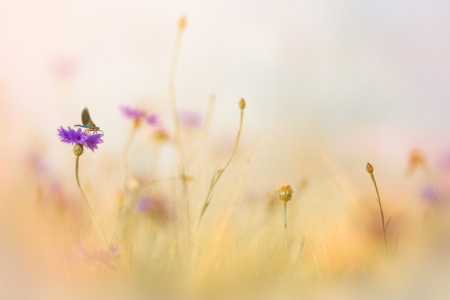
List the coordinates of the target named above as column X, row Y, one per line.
column 173, row 106
column 90, row 210
column 217, row 173
column 382, row 214
column 126, row 149
column 286, row 234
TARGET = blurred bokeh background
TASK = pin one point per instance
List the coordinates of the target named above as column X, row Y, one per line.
column 329, row 86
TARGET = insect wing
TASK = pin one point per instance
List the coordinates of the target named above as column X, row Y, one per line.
column 86, row 118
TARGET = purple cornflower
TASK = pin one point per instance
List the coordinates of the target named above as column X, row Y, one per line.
column 72, row 136
column 190, row 118
column 93, row 140
column 153, row 119
column 132, row 113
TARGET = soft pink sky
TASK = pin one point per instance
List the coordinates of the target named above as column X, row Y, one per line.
column 364, row 76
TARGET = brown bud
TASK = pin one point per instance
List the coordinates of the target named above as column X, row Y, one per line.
column 369, row 168
column 242, row 103
column 78, row 149
column 284, row 192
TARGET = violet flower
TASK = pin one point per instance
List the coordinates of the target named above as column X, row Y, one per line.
column 72, row 136
column 153, row 119
column 93, row 140
column 153, row 208
column 132, row 113
column 190, row 118
column 430, row 194
column 36, row 162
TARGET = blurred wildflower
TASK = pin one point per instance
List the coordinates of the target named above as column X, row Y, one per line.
column 417, row 159
column 36, row 162
column 58, row 197
column 97, row 256
column 153, row 208
column 190, row 119
column 284, row 192
column 160, row 134
column 132, row 113
column 437, row 190
column 430, row 194
column 153, row 119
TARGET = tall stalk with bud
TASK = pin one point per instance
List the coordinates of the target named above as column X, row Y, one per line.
column 285, row 193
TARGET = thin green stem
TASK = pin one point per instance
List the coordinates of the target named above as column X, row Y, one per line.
column 382, row 214
column 286, row 234
column 217, row 173
column 90, row 210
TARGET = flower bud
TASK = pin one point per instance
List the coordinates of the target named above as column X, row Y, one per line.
column 284, row 192
column 369, row 168
column 78, row 149
column 242, row 103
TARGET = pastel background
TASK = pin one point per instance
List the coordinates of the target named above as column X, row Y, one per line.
column 329, row 86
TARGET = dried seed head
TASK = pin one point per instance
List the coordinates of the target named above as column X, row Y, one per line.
column 369, row 168
column 284, row 192
column 182, row 23
column 242, row 103
column 78, row 149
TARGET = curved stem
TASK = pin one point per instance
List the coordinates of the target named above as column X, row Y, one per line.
column 90, row 210
column 382, row 214
column 217, row 174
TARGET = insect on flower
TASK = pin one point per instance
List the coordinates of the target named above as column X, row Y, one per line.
column 88, row 123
